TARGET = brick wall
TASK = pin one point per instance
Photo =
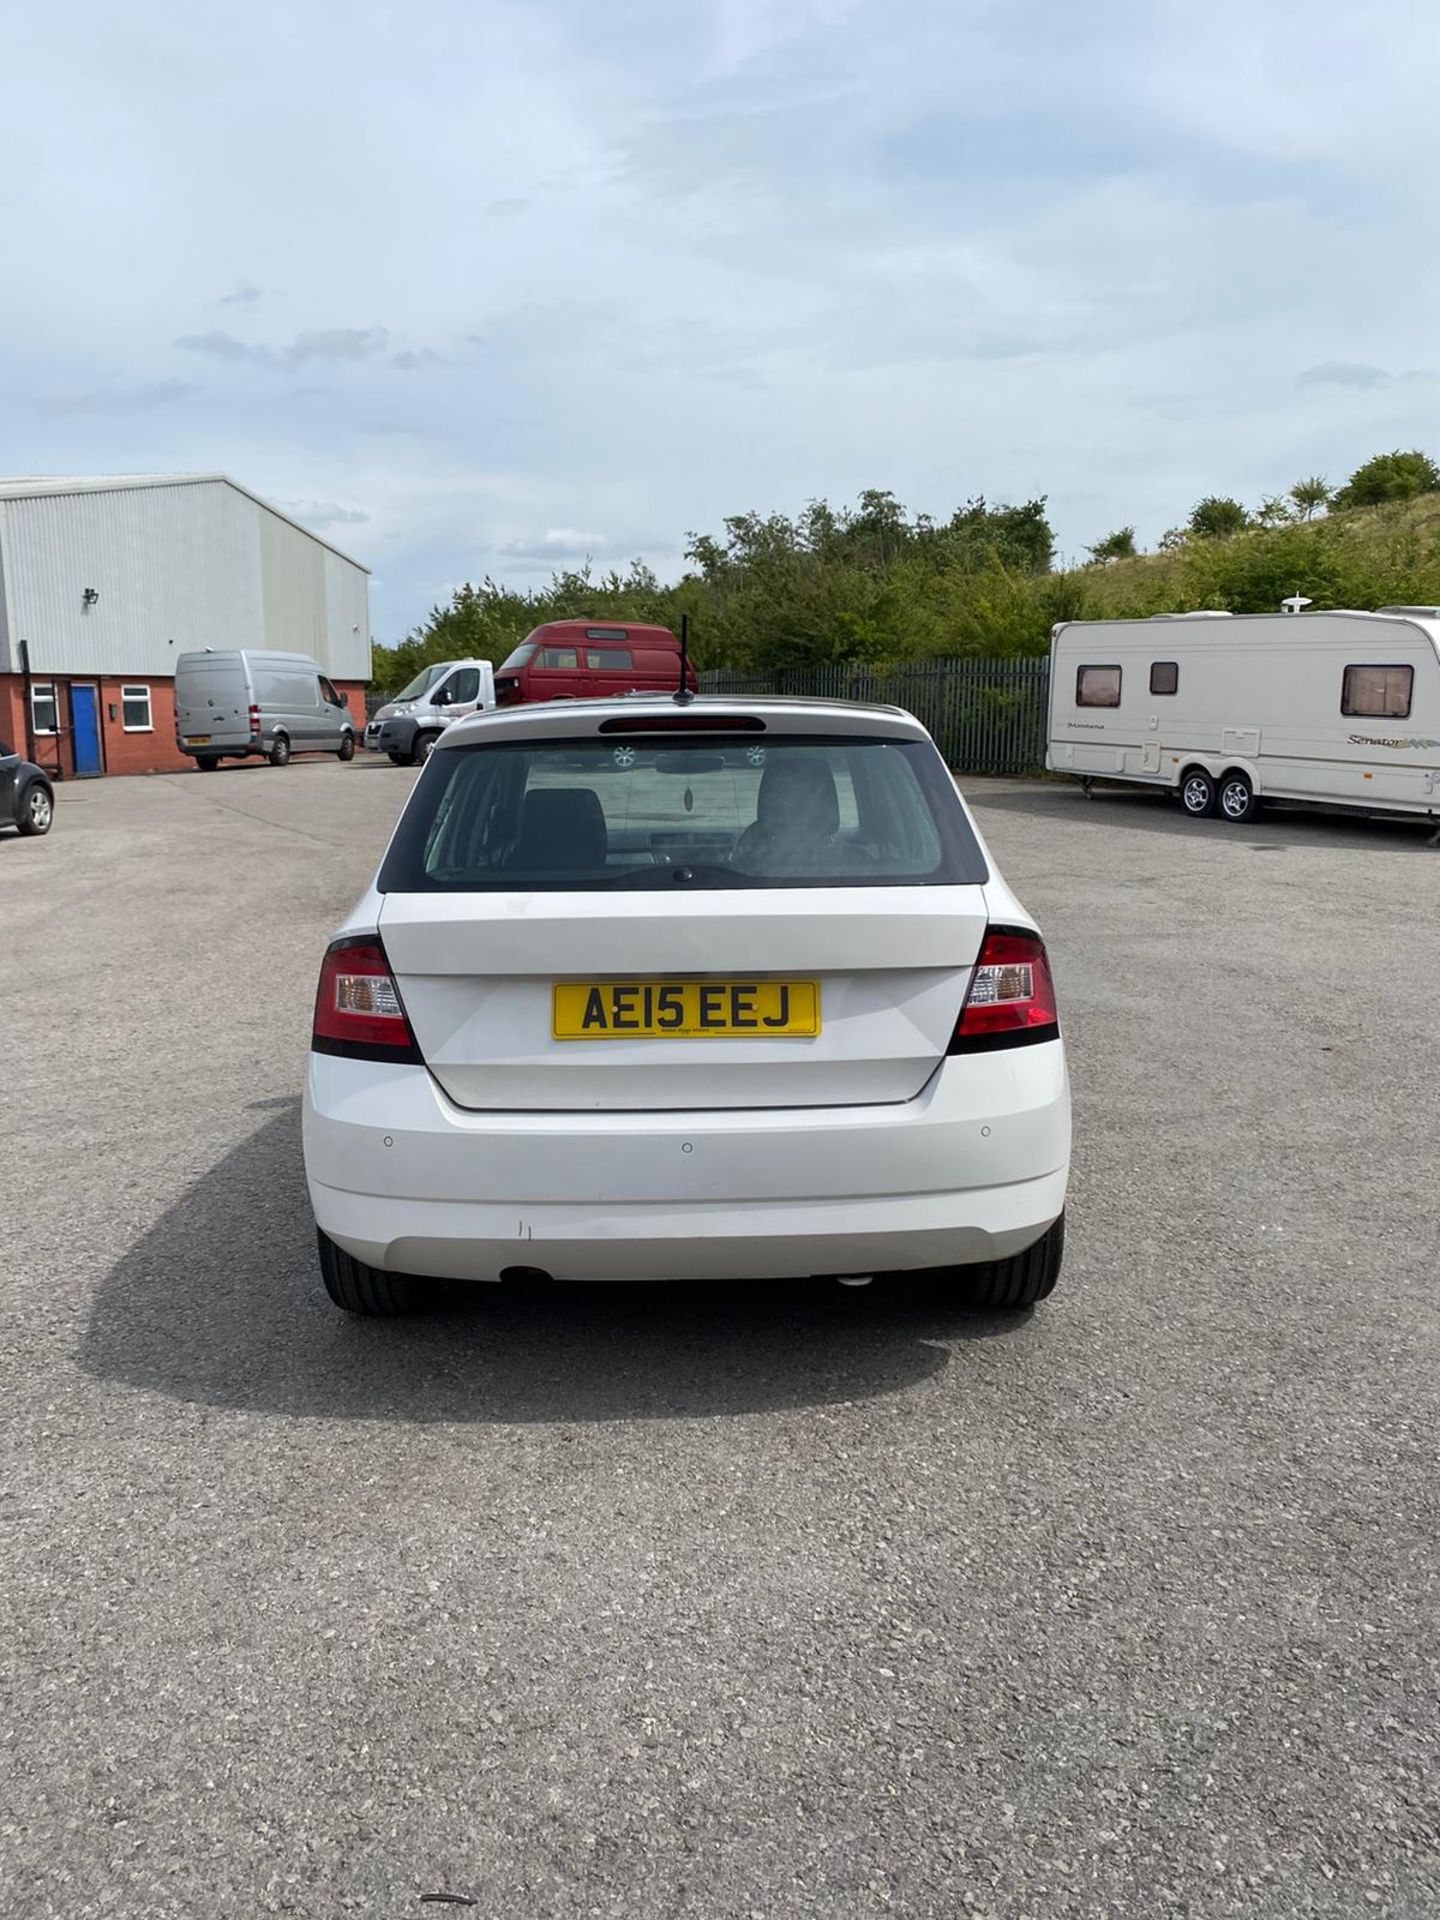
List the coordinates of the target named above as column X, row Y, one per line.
column 153, row 752
column 121, row 751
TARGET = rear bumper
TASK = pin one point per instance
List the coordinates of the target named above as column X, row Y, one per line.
column 226, row 750
column 973, row 1169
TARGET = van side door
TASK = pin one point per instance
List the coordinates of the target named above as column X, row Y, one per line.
column 334, row 714
column 458, row 693
column 613, row 669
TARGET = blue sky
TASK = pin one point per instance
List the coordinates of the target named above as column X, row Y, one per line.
column 487, row 288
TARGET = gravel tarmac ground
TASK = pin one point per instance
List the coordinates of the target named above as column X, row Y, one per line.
column 729, row 1602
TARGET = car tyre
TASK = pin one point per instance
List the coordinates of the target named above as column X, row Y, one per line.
column 400, row 759
column 1022, row 1280
column 37, row 812
column 368, row 1291
column 1197, row 793
column 207, row 763
column 280, row 751
column 347, row 748
column 423, row 748
column 1237, row 799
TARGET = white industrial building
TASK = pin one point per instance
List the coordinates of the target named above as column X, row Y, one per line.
column 105, row 581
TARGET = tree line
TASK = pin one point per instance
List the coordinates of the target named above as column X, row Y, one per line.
column 874, row 583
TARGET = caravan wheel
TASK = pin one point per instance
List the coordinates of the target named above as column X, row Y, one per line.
column 1197, row 793
column 1237, row 799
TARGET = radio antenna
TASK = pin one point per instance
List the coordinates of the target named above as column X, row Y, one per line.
column 683, row 695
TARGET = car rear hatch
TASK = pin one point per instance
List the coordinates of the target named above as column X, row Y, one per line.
column 211, row 705
column 479, row 978
column 574, row 929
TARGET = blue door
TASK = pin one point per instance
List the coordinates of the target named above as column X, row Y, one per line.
column 85, row 719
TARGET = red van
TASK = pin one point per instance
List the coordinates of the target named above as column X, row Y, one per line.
column 585, row 660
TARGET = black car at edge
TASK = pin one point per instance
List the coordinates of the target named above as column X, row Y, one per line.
column 27, row 800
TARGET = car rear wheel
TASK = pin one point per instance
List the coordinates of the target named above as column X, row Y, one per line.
column 1197, row 793
column 279, row 751
column 37, row 811
column 368, row 1291
column 347, row 748
column 1006, row 1285
column 1237, row 799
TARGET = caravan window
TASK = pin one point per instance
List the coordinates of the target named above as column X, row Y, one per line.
column 1378, row 693
column 1097, row 687
column 1164, row 676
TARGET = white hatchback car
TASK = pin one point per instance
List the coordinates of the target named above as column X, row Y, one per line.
column 651, row 989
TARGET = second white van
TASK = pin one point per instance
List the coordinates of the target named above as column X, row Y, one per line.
column 408, row 726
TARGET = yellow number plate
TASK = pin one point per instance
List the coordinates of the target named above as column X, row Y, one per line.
column 686, row 1010
column 197, row 739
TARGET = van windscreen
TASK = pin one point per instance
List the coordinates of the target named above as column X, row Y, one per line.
column 521, row 657
column 422, row 682
column 582, row 815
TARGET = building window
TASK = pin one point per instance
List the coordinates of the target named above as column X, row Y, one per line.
column 558, row 657
column 1097, row 687
column 1164, row 676
column 1378, row 693
column 609, row 659
column 44, row 710
column 135, row 710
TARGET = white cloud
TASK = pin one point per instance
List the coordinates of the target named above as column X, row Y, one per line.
column 557, row 543
column 322, row 513
column 335, row 344
column 659, row 264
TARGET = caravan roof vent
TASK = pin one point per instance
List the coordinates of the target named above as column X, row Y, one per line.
column 1205, row 613
column 1415, row 613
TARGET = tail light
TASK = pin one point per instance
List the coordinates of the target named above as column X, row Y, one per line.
column 1011, row 1000
column 358, row 1010
column 254, row 719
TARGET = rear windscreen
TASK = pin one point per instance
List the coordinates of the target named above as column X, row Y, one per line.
column 589, row 815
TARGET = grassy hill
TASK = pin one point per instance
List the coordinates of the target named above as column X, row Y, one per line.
column 1366, row 557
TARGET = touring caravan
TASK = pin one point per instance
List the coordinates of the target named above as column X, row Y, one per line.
column 1229, row 710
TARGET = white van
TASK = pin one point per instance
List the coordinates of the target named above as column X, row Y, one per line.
column 236, row 704
column 408, row 726
column 1227, row 710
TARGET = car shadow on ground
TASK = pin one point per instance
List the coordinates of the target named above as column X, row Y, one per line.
column 1143, row 811
column 220, row 1303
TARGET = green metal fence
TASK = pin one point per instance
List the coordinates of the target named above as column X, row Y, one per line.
column 986, row 716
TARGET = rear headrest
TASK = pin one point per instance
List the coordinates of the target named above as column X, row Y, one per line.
column 562, row 830
column 798, row 799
